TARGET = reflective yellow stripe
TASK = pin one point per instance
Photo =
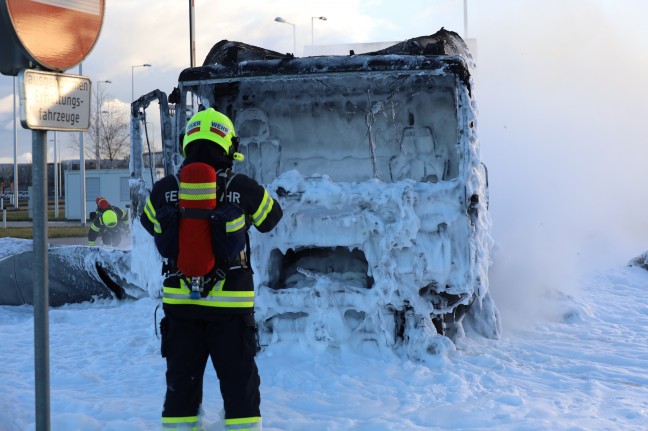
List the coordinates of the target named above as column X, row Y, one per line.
column 185, row 286
column 216, row 297
column 94, row 228
column 243, row 424
column 236, row 224
column 197, row 191
column 210, row 301
column 187, row 423
column 179, row 420
column 235, row 295
column 197, row 186
column 150, row 213
column 197, row 197
column 264, row 209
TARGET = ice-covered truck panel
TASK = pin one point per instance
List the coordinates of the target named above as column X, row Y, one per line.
column 375, row 161
column 389, row 125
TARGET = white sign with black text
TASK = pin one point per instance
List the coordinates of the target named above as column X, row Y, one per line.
column 54, row 101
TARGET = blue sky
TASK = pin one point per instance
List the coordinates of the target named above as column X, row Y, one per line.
column 157, row 33
column 526, row 39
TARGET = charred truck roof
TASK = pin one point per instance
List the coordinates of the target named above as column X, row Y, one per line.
column 442, row 50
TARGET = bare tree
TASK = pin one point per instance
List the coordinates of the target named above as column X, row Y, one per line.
column 115, row 134
column 108, row 136
column 29, row 160
column 6, row 176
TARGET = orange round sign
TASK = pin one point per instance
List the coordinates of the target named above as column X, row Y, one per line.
column 58, row 34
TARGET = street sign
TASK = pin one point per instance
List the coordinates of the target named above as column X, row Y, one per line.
column 53, row 34
column 54, row 101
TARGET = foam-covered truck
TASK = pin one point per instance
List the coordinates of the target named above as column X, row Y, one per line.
column 376, row 163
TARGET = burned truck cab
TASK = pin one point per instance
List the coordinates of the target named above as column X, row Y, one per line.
column 375, row 160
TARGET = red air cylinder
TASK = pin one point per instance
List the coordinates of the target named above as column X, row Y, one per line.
column 196, row 200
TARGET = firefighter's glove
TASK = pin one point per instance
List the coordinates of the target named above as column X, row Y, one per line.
column 166, row 216
column 227, row 231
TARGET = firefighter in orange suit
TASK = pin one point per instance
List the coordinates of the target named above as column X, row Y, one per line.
column 218, row 324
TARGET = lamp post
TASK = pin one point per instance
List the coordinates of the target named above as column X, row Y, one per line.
column 82, row 191
column 133, row 78
column 97, row 133
column 192, row 34
column 313, row 18
column 465, row 7
column 60, row 171
column 57, row 175
column 15, row 133
column 281, row 20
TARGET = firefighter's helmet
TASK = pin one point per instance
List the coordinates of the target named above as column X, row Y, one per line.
column 109, row 218
column 213, row 126
column 102, row 203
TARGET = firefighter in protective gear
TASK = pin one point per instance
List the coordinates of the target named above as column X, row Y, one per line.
column 219, row 324
column 110, row 223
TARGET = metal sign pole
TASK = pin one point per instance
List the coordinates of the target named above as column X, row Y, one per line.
column 36, row 44
column 41, row 288
column 48, row 101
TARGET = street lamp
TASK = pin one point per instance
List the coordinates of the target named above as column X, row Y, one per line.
column 281, row 20
column 97, row 135
column 313, row 18
column 133, row 78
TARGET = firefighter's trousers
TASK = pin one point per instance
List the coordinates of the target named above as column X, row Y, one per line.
column 230, row 342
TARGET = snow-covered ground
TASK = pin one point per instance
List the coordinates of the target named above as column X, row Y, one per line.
column 581, row 365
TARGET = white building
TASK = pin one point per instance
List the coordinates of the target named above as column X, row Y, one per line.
column 112, row 184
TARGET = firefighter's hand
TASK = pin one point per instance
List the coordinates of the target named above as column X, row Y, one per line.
column 228, row 212
column 224, row 214
column 227, row 231
column 165, row 216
